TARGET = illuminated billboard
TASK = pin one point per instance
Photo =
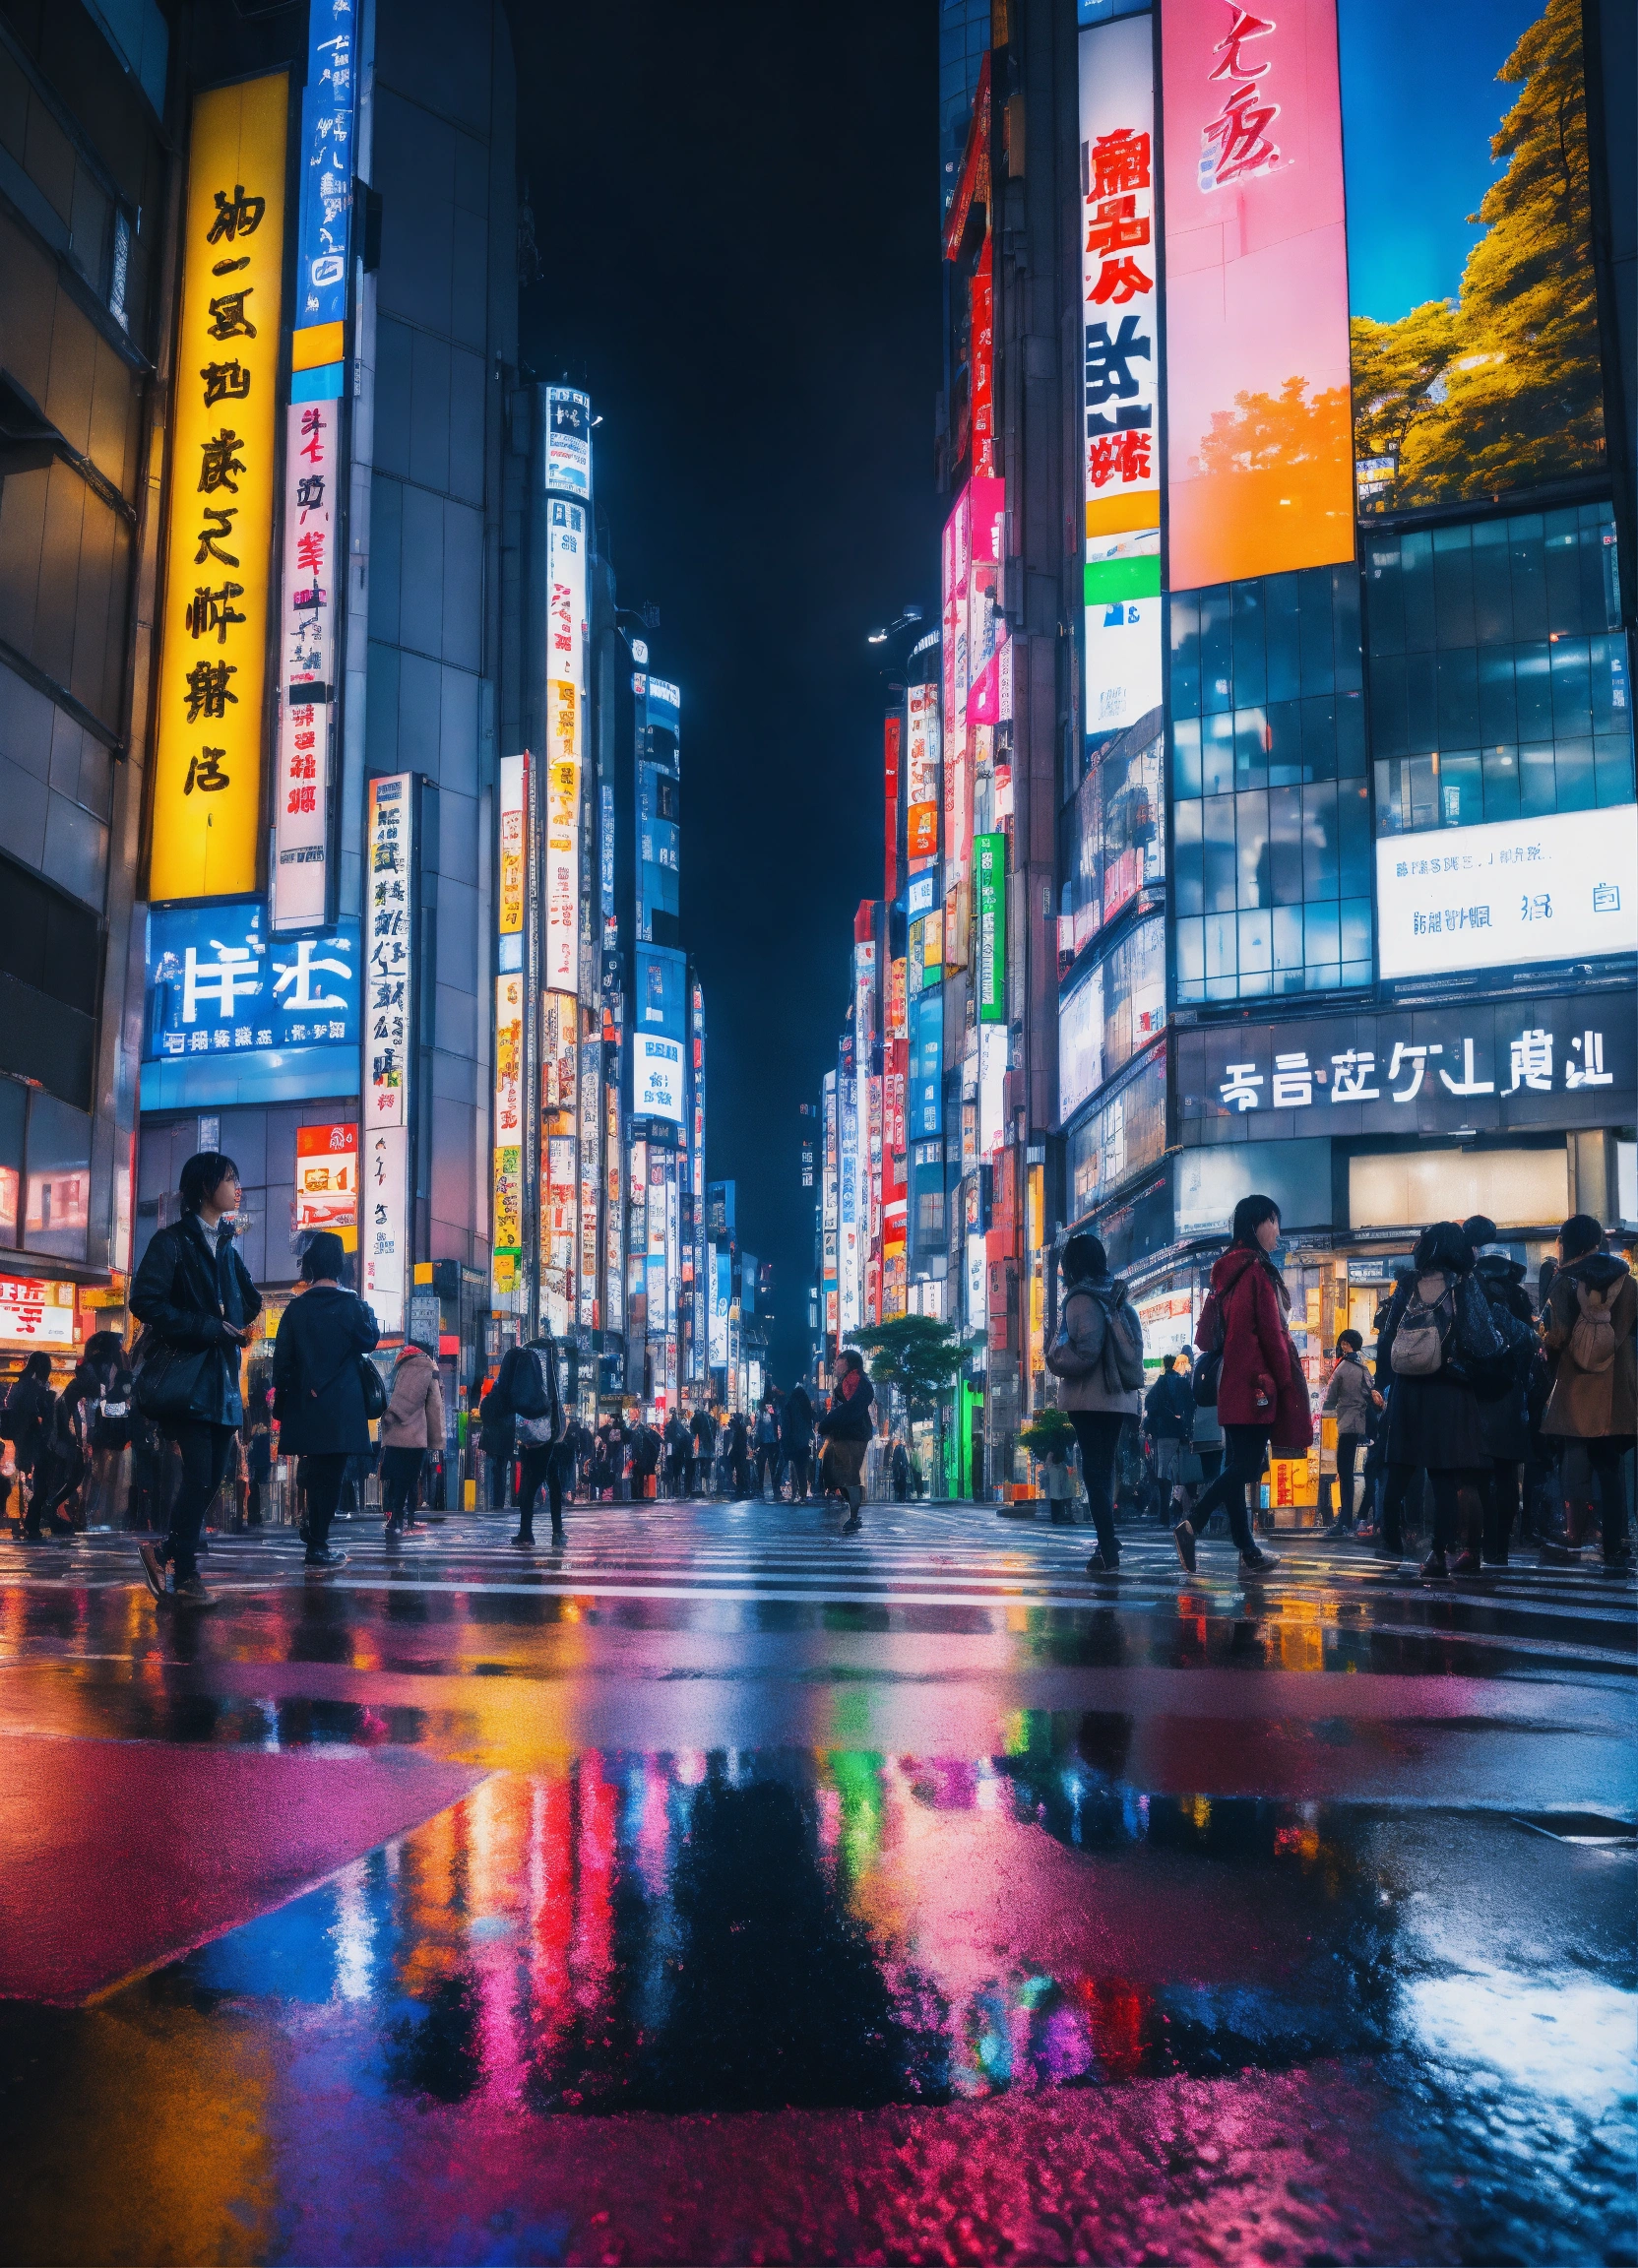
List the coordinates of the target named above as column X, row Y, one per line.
column 974, row 632
column 219, row 988
column 389, row 1027
column 306, row 665
column 1508, row 894
column 569, row 443
column 1476, row 355
column 1120, row 377
column 206, row 796
column 921, row 767
column 1259, row 457
column 565, row 735
column 658, row 1029
column 327, row 1180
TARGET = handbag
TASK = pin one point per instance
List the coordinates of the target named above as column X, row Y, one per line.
column 166, row 1378
column 1190, row 1471
column 374, row 1388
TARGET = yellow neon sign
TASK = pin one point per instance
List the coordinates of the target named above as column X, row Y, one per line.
column 207, row 810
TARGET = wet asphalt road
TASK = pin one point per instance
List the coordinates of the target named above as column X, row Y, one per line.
column 723, row 1889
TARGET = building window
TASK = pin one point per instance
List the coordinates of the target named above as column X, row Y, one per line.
column 1498, row 674
column 1271, row 822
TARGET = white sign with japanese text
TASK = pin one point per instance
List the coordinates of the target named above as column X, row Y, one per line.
column 306, row 665
column 389, row 918
column 1508, row 894
column 384, row 1232
column 36, row 1314
column 565, row 713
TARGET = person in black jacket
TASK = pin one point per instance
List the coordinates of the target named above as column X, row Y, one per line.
column 193, row 1293
column 1433, row 1419
column 527, row 1401
column 1504, row 1413
column 31, row 1406
column 847, row 1429
column 318, row 1392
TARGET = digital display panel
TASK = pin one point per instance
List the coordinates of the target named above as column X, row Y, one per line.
column 1508, row 894
column 218, row 985
column 1470, row 279
column 1120, row 377
column 207, row 809
column 1259, row 456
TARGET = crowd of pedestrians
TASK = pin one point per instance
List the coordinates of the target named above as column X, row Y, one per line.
column 1490, row 1417
column 1486, row 1414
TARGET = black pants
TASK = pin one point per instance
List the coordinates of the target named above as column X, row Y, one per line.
column 1502, row 1509
column 400, row 1470
column 801, row 1462
column 322, row 1488
column 1098, row 1433
column 1605, row 1453
column 676, row 1474
column 767, row 1470
column 540, row 1463
column 1347, row 1448
column 1243, row 1450
column 1447, row 1487
column 204, row 1450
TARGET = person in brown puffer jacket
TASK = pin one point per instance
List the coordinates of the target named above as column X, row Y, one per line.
column 412, row 1424
column 1588, row 1326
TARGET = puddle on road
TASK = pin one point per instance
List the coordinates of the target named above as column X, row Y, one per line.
column 740, row 1932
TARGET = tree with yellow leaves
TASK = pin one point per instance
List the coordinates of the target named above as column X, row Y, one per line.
column 1501, row 389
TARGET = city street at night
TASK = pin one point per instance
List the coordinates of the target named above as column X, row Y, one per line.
column 818, row 1134
column 721, row 1888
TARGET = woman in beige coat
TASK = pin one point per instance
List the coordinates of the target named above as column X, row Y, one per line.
column 1588, row 1326
column 414, row 1423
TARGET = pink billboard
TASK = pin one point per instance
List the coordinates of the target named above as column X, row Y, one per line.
column 1259, row 456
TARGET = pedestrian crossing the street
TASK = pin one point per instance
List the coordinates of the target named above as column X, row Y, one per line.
column 916, row 1565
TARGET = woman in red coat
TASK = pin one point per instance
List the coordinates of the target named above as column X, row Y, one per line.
column 1261, row 1393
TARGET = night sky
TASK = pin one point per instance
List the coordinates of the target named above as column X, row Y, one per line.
column 737, row 213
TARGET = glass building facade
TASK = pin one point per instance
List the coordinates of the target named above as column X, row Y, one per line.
column 1271, row 817
column 1499, row 678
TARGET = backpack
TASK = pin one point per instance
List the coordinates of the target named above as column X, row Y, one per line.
column 530, row 1384
column 1063, row 1358
column 1124, row 1349
column 1593, row 1333
column 1209, row 1338
column 1429, row 1317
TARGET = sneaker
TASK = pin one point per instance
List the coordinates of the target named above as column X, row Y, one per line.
column 523, row 1542
column 192, row 1590
column 1183, row 1537
column 1467, row 1563
column 1495, row 1559
column 558, row 1539
column 1619, row 1562
column 1099, row 1564
column 1560, row 1554
column 327, row 1561
column 1258, row 1562
column 153, row 1568
column 1434, row 1569
column 851, row 1527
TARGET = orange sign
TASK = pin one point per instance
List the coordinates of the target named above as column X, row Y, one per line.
column 327, row 1180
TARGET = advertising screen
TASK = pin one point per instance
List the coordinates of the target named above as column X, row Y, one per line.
column 207, row 806
column 1121, row 373
column 922, row 767
column 218, row 986
column 1508, row 894
column 327, row 1180
column 972, row 680
column 1471, row 281
column 569, row 443
column 36, row 1314
column 513, row 821
column 306, row 665
column 989, row 858
column 1258, row 452
column 1081, row 1045
column 565, row 732
column 927, row 1069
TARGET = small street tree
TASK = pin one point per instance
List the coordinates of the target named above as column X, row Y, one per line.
column 920, row 1358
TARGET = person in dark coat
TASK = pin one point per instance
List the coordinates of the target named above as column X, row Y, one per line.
column 1262, row 1396
column 1351, row 1396
column 646, row 1451
column 1504, row 1417
column 318, row 1394
column 1169, row 1420
column 797, row 1437
column 739, row 1453
column 847, row 1429
column 31, row 1406
column 64, row 1461
column 1433, row 1421
column 193, row 1293
column 705, row 1448
column 1589, row 1332
column 677, row 1446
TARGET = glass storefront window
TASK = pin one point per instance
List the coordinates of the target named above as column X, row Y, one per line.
column 1498, row 675
column 57, row 1209
column 1269, row 803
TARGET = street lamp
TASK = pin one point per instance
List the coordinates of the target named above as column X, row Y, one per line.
column 905, row 619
